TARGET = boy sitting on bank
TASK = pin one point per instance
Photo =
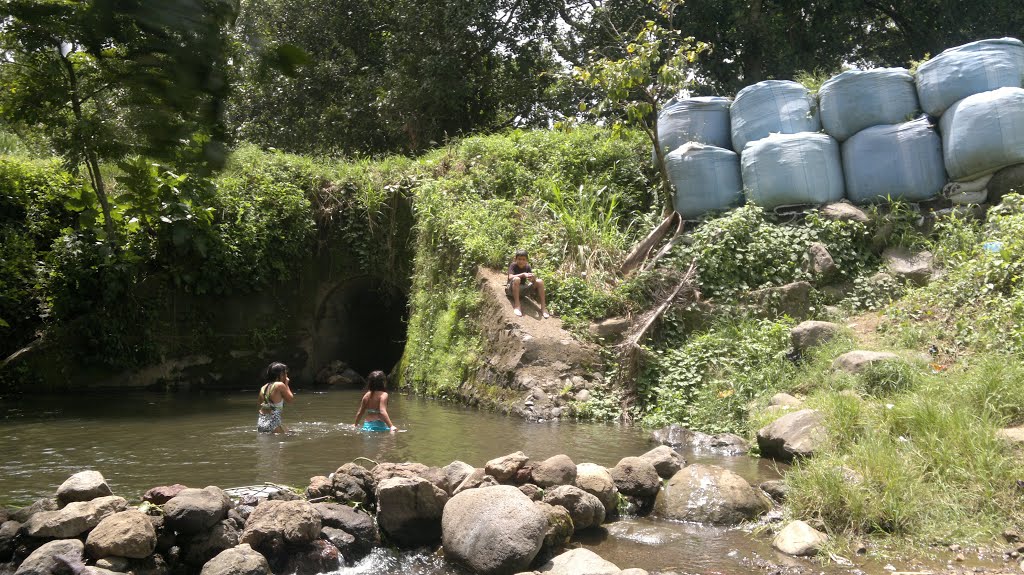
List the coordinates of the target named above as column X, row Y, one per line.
column 522, row 281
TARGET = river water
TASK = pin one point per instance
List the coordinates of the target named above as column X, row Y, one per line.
column 141, row 440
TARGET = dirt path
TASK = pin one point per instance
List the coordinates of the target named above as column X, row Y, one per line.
column 531, row 322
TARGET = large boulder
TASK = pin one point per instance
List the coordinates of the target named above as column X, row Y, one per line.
column 636, row 476
column 83, row 486
column 798, row 434
column 560, row 526
column 793, row 299
column 241, row 560
column 60, row 557
column 579, row 562
column 555, row 470
column 493, row 531
column 361, row 474
column 819, row 262
column 22, row 514
column 665, row 460
column 320, row 556
column 274, row 523
column 201, row 547
column 74, row 519
column 409, row 510
column 8, row 537
column 710, row 494
column 356, row 523
column 597, row 481
column 163, row 493
column 586, row 510
column 454, row 474
column 799, row 538
column 383, row 471
column 346, row 488
column 808, row 334
column 126, row 534
column 504, row 468
column 859, row 360
column 196, row 510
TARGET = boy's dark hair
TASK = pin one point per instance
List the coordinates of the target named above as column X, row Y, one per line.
column 522, row 253
column 377, row 381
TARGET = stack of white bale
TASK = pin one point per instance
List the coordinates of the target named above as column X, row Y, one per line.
column 884, row 155
column 976, row 91
column 783, row 159
column 694, row 135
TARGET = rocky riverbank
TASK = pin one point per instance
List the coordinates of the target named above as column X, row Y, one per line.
column 511, row 515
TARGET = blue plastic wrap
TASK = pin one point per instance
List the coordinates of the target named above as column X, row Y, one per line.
column 792, row 169
column 706, row 178
column 983, row 133
column 772, row 107
column 704, row 120
column 969, row 69
column 859, row 99
column 900, row 161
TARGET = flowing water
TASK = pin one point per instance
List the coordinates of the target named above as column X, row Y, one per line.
column 141, row 440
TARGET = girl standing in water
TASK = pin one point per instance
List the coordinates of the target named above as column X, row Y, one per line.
column 273, row 395
column 375, row 405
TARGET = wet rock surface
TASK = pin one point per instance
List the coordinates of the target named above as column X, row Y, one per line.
column 710, row 494
column 792, row 436
column 495, row 530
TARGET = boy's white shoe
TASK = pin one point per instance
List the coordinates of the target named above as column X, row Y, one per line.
column 518, row 312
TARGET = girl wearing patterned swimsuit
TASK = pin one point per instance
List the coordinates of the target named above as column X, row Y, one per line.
column 273, row 395
column 374, row 405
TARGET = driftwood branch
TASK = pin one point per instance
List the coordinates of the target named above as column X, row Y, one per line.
column 643, row 249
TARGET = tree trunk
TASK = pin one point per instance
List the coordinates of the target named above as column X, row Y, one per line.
column 659, row 155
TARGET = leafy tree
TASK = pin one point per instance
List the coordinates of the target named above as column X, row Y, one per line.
column 640, row 72
column 109, row 79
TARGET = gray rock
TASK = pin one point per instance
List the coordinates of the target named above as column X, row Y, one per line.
column 555, row 470
column 634, row 571
column 21, row 515
column 583, row 395
column 916, row 268
column 857, row 361
column 8, row 537
column 126, row 534
column 611, row 328
column 196, row 510
column 409, row 510
column 60, row 557
column 320, row 556
column 793, row 299
column 844, row 212
column 676, row 436
column 74, row 519
column 818, row 261
column 478, row 478
column 163, row 494
column 384, row 471
column 784, row 399
column 800, row 539
column 532, row 491
column 343, row 541
column 579, row 562
column 808, row 334
column 665, row 460
column 636, row 476
column 710, row 494
column 115, row 564
column 560, row 527
column 155, row 564
column 274, row 523
column 493, row 531
column 505, row 467
column 358, row 524
column 1008, row 434
column 1006, row 181
column 360, row 473
column 586, row 510
column 597, row 481
column 97, row 570
column 776, row 489
column 798, row 434
column 82, row 486
column 201, row 547
column 454, row 474
column 241, row 560
column 346, row 488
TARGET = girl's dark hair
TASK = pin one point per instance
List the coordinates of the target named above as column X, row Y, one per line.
column 522, row 253
column 274, row 372
column 377, row 381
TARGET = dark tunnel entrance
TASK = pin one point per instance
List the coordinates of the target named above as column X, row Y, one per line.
column 362, row 323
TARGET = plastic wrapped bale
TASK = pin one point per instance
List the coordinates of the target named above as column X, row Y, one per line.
column 967, row 70
column 706, row 178
column 792, row 169
column 772, row 107
column 900, row 161
column 983, row 133
column 704, row 120
column 859, row 99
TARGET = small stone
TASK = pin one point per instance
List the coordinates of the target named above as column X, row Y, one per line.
column 844, row 211
column 583, row 395
column 1011, row 535
column 959, row 558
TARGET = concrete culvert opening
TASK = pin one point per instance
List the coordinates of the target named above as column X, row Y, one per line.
column 362, row 323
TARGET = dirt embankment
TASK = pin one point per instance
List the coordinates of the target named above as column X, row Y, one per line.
column 532, row 365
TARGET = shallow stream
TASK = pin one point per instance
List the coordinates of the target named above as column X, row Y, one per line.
column 141, row 440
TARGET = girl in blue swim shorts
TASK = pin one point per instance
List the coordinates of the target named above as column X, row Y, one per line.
column 374, row 405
